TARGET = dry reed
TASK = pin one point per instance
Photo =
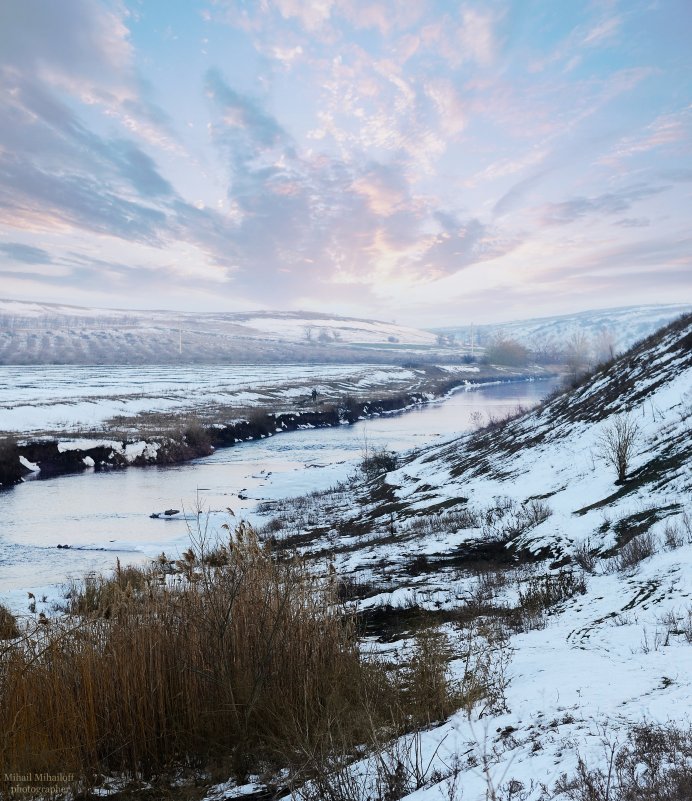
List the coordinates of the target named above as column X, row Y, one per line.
column 228, row 661
column 236, row 660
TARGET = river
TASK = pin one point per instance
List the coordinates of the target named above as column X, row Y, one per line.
column 103, row 516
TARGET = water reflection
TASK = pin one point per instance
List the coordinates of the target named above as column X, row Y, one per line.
column 102, row 516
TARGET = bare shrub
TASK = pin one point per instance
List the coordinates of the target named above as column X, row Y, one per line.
column 508, row 352
column 543, row 592
column 390, row 771
column 678, row 624
column 418, row 565
column 446, row 522
column 585, row 557
column 495, row 420
column 429, row 692
column 673, row 536
column 577, row 355
column 618, row 443
column 196, row 435
column 352, row 588
column 636, row 550
column 535, row 512
column 686, row 525
column 655, row 764
column 686, row 626
column 486, row 661
column 506, row 520
column 378, row 462
column 476, row 419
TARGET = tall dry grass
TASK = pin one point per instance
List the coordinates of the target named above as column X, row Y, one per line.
column 237, row 659
column 228, row 660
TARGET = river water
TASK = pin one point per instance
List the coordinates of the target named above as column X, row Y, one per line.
column 104, row 516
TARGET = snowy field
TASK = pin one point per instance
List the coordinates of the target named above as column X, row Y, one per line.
column 70, row 399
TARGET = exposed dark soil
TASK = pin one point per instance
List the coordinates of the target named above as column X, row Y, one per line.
column 198, row 439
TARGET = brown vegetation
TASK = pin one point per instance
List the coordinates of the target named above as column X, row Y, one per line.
column 225, row 659
column 653, row 765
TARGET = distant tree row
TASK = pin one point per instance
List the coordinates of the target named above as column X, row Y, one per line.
column 13, row 322
column 579, row 352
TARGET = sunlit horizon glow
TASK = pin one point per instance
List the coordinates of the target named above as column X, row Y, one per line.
column 434, row 162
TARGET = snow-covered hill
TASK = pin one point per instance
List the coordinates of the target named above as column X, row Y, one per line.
column 618, row 328
column 44, row 333
column 577, row 583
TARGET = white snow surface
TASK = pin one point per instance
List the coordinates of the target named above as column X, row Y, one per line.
column 605, row 660
column 623, row 325
column 297, row 329
column 75, row 398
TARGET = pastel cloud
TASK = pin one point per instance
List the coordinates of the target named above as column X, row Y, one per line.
column 400, row 152
column 610, row 203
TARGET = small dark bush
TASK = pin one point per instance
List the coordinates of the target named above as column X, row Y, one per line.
column 543, row 592
column 196, row 435
column 378, row 462
column 349, row 588
column 636, row 550
column 419, row 564
column 585, row 557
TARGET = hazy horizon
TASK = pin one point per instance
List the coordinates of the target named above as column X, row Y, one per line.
column 424, row 161
column 477, row 320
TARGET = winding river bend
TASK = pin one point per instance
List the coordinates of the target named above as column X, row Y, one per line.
column 104, row 516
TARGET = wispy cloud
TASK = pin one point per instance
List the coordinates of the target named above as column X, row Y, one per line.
column 666, row 131
column 383, row 152
column 28, row 254
column 609, row 203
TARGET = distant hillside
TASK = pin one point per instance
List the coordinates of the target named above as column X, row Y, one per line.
column 618, row 328
column 45, row 333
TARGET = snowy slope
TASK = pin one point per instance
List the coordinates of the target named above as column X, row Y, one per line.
column 43, row 333
column 620, row 326
column 301, row 327
column 471, row 528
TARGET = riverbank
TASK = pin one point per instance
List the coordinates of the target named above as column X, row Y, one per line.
column 174, row 441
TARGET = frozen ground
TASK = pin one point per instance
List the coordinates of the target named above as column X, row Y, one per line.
column 622, row 326
column 612, row 651
column 44, row 333
column 83, row 399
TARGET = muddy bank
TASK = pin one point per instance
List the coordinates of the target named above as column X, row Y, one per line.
column 48, row 457
column 51, row 457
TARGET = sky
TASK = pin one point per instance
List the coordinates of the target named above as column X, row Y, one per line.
column 422, row 161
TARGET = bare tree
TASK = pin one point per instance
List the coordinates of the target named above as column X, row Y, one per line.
column 604, row 345
column 577, row 354
column 507, row 351
column 546, row 350
column 618, row 443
